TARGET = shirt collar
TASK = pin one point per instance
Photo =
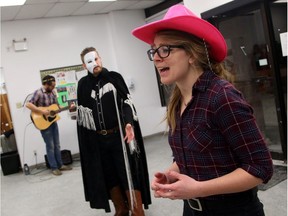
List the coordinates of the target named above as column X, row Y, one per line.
column 100, row 75
column 203, row 81
column 44, row 90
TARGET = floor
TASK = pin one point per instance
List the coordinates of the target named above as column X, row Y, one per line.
column 42, row 194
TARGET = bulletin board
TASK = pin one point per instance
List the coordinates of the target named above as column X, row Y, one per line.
column 66, row 82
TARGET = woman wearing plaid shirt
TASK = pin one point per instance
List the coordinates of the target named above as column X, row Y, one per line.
column 219, row 152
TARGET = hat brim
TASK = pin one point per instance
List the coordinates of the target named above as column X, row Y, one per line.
column 193, row 25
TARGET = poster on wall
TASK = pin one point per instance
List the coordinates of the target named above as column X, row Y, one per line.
column 66, row 82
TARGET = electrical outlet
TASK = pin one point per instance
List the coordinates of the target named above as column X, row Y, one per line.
column 19, row 105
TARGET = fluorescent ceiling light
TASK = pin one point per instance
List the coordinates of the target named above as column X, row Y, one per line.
column 101, row 0
column 4, row 3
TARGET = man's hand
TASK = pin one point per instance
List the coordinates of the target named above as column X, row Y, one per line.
column 72, row 107
column 45, row 112
column 129, row 133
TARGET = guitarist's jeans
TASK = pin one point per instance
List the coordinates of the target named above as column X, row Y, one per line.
column 51, row 139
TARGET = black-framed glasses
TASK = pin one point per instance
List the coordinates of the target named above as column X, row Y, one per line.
column 162, row 51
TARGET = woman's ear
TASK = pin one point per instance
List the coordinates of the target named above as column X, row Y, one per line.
column 191, row 60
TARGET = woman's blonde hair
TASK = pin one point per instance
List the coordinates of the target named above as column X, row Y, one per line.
column 198, row 49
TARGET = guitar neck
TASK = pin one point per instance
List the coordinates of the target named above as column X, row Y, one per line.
column 62, row 109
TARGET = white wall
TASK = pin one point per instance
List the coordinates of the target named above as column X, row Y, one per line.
column 133, row 62
column 200, row 6
column 57, row 42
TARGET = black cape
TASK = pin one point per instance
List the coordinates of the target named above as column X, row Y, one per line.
column 93, row 178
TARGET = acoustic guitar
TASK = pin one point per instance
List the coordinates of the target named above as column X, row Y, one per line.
column 41, row 121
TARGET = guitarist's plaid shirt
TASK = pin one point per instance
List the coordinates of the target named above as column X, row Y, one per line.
column 41, row 98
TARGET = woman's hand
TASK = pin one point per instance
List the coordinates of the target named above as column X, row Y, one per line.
column 179, row 186
column 129, row 133
column 159, row 178
column 174, row 185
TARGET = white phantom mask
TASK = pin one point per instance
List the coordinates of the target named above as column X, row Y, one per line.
column 89, row 60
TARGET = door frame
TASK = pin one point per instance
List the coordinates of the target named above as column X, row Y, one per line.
column 264, row 6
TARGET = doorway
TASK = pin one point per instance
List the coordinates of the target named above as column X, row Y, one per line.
column 10, row 161
column 259, row 64
column 7, row 137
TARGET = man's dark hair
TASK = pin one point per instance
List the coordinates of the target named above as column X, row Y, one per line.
column 85, row 51
column 48, row 80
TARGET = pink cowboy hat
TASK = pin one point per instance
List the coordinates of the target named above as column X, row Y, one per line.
column 178, row 17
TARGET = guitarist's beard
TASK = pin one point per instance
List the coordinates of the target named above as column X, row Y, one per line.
column 49, row 86
column 49, row 90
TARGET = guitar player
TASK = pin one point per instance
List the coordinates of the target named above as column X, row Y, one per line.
column 45, row 97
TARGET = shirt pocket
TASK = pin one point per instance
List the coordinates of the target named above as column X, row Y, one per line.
column 199, row 138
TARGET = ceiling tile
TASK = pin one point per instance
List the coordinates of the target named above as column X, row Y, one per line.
column 91, row 8
column 64, row 9
column 69, row 1
column 144, row 4
column 118, row 5
column 40, row 1
column 33, row 11
column 9, row 13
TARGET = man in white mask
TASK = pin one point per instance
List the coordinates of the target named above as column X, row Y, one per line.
column 92, row 60
column 106, row 125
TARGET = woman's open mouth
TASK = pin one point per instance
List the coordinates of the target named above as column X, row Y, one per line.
column 163, row 70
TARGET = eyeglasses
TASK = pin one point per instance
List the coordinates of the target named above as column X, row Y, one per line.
column 162, row 51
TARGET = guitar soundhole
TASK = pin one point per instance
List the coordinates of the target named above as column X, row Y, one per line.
column 52, row 113
column 50, row 118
